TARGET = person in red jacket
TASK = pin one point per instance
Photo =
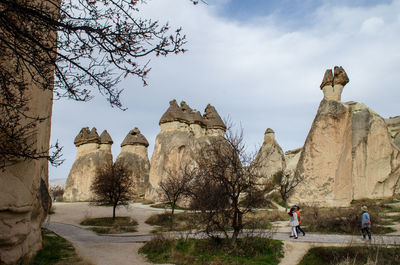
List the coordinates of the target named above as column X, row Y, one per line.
column 298, row 228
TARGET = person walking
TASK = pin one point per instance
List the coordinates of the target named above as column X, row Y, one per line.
column 293, row 222
column 365, row 222
column 298, row 228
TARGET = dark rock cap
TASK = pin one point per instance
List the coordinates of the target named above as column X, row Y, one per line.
column 135, row 137
column 86, row 136
column 173, row 113
column 269, row 130
column 105, row 138
column 190, row 115
column 212, row 119
column 339, row 77
column 328, row 78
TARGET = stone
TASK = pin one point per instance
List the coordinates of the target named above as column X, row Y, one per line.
column 134, row 158
column 332, row 84
column 393, row 124
column 183, row 133
column 93, row 154
column 270, row 158
column 348, row 155
column 292, row 158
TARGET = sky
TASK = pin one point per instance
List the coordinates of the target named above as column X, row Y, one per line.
column 259, row 62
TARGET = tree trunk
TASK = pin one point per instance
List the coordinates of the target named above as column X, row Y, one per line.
column 114, row 207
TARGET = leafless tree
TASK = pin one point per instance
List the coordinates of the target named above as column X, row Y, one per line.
column 70, row 47
column 176, row 186
column 225, row 188
column 113, row 185
column 56, row 192
column 285, row 183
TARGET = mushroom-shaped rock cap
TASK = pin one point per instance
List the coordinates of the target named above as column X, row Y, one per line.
column 191, row 115
column 86, row 136
column 173, row 113
column 135, row 137
column 340, row 77
column 269, row 130
column 328, row 79
column 212, row 119
column 105, row 138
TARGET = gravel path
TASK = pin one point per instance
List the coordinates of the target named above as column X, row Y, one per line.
column 78, row 234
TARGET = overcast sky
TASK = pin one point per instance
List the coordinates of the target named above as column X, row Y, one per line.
column 258, row 61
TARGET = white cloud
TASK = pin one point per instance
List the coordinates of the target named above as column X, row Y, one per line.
column 260, row 72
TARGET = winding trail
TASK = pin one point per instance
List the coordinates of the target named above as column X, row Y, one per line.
column 78, row 234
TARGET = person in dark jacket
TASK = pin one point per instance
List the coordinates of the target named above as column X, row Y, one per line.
column 365, row 222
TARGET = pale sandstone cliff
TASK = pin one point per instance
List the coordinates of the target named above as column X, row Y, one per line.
column 24, row 198
column 270, row 158
column 94, row 153
column 348, row 153
column 134, row 158
column 183, row 132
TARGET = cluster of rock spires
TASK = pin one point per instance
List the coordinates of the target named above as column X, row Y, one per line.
column 94, row 153
column 183, row 131
column 350, row 152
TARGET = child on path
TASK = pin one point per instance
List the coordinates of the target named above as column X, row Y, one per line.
column 298, row 228
column 365, row 222
column 294, row 222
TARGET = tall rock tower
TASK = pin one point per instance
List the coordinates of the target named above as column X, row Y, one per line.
column 134, row 158
column 183, row 132
column 348, row 153
column 270, row 158
column 94, row 153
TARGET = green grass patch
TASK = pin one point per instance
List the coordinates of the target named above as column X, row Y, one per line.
column 377, row 255
column 250, row 250
column 56, row 251
column 106, row 225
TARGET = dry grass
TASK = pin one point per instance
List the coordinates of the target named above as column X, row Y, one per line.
column 345, row 220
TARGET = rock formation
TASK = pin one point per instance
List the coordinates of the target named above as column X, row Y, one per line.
column 24, row 197
column 183, row 132
column 348, row 153
column 292, row 158
column 393, row 124
column 94, row 152
column 270, row 158
column 134, row 157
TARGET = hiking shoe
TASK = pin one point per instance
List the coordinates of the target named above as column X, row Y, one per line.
column 295, row 237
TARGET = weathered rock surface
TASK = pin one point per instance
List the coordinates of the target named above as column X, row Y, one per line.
column 94, row 153
column 270, row 158
column 134, row 157
column 24, row 198
column 393, row 124
column 348, row 155
column 183, row 133
column 292, row 158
